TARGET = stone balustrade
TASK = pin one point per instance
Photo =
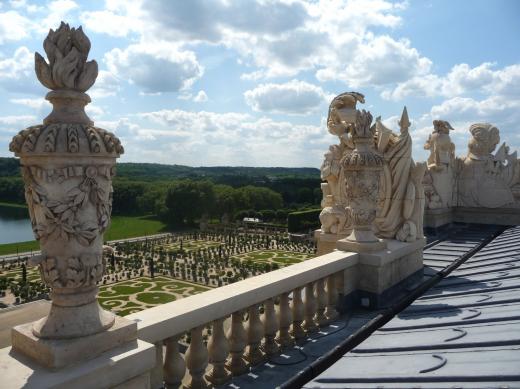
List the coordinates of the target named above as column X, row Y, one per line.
column 306, row 295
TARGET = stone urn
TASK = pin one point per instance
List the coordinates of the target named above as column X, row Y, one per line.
column 362, row 174
column 67, row 165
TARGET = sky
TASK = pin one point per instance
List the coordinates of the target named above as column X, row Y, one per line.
column 248, row 82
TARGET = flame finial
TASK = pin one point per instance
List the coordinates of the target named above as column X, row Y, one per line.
column 67, row 51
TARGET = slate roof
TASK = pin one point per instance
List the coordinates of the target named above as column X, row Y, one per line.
column 462, row 333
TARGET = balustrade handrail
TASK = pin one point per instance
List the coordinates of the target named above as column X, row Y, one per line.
column 171, row 319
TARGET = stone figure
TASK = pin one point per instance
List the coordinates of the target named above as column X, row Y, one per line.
column 67, row 166
column 484, row 179
column 342, row 111
column 395, row 186
column 332, row 217
column 442, row 149
column 439, row 179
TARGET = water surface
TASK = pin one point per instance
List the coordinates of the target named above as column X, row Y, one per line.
column 15, row 225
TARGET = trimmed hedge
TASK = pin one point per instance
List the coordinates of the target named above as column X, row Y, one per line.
column 303, row 221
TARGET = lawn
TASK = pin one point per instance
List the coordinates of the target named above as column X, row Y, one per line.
column 121, row 227
column 141, row 293
column 12, row 205
column 280, row 257
column 131, row 226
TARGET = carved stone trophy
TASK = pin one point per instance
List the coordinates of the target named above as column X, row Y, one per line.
column 67, row 166
column 362, row 174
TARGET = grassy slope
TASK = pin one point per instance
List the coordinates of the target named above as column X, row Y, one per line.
column 12, row 205
column 121, row 227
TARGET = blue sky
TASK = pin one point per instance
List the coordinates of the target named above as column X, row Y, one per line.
column 207, row 83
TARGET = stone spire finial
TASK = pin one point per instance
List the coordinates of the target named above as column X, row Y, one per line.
column 404, row 123
column 67, row 50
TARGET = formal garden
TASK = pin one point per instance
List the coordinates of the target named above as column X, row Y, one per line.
column 145, row 273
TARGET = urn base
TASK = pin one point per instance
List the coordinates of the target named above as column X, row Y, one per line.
column 360, row 247
column 58, row 353
column 73, row 322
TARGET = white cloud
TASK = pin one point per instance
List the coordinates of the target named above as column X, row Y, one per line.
column 116, row 21
column 94, row 111
column 378, row 61
column 492, row 109
column 17, row 73
column 216, row 20
column 37, row 104
column 13, row 27
column 293, row 97
column 200, row 97
column 155, row 67
column 57, row 11
column 222, row 138
column 461, row 79
column 279, row 38
column 19, row 120
column 106, row 85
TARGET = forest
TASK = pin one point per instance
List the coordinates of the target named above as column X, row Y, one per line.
column 182, row 194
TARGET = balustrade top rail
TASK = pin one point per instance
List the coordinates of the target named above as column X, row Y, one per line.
column 171, row 319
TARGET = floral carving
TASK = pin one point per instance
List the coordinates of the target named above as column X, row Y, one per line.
column 61, row 219
column 67, row 50
column 50, row 273
column 83, row 271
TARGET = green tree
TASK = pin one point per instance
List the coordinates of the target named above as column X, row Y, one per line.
column 188, row 200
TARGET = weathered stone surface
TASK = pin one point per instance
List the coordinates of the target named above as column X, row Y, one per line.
column 67, row 167
column 374, row 189
column 57, row 353
column 464, row 189
column 124, row 365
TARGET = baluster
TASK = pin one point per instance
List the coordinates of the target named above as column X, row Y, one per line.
column 255, row 333
column 284, row 338
column 340, row 280
column 237, row 342
column 298, row 315
column 332, row 298
column 270, row 327
column 156, row 375
column 174, row 365
column 321, row 298
column 310, row 309
column 197, row 360
column 218, row 349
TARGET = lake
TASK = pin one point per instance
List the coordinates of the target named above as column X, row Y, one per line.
column 15, row 225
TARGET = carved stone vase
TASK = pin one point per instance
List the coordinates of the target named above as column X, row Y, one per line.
column 362, row 174
column 67, row 166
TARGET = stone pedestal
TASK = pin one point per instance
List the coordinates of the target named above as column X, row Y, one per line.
column 435, row 218
column 126, row 366
column 58, row 353
column 326, row 242
column 380, row 274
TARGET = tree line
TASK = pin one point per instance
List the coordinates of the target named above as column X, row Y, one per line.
column 216, row 193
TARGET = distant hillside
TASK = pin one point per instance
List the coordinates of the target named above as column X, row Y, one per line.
column 153, row 171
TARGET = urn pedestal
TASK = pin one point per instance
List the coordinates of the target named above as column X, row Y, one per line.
column 67, row 166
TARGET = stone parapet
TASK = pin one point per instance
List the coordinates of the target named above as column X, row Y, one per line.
column 126, row 366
